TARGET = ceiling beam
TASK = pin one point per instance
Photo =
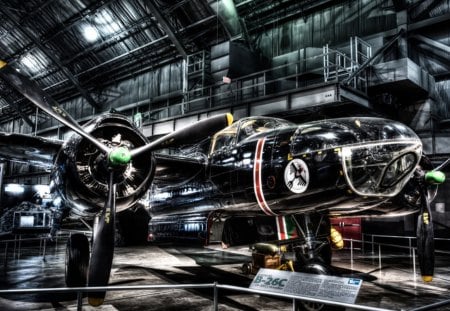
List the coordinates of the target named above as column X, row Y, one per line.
column 433, row 43
column 5, row 92
column 433, row 21
column 5, row 11
column 167, row 28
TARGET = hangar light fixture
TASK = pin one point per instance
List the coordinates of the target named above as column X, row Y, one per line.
column 31, row 63
column 90, row 33
column 14, row 188
column 106, row 23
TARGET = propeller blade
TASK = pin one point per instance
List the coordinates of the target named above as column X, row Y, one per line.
column 442, row 165
column 425, row 237
column 188, row 134
column 37, row 96
column 103, row 248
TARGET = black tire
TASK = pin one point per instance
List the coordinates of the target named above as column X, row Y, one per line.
column 316, row 267
column 247, row 268
column 77, row 260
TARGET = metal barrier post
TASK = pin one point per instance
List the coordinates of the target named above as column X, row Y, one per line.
column 414, row 266
column 44, row 249
column 5, row 260
column 379, row 258
column 79, row 301
column 373, row 252
column 409, row 243
column 55, row 239
column 362, row 243
column 294, row 305
column 216, row 297
column 15, row 246
column 20, row 246
column 351, row 254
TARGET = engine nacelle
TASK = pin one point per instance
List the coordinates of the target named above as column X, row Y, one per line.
column 81, row 173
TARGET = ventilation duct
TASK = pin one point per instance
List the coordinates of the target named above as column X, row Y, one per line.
column 228, row 15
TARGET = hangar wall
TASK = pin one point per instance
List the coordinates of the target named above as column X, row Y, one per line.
column 375, row 21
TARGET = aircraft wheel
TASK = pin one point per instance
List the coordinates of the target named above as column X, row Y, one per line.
column 77, row 260
column 316, row 268
column 247, row 268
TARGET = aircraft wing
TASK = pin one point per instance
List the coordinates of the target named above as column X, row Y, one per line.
column 177, row 168
column 35, row 150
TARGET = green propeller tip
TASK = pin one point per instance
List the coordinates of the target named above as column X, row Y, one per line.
column 120, row 156
column 435, row 177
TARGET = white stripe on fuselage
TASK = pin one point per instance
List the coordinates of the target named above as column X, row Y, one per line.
column 257, row 180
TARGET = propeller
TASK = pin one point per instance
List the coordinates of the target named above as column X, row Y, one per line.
column 103, row 246
column 425, row 237
column 425, row 231
column 116, row 157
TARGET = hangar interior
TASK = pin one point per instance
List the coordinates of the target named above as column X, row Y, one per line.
column 166, row 64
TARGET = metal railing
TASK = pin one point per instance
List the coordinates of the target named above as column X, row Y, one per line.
column 79, row 291
column 215, row 286
column 326, row 67
column 410, row 239
column 410, row 248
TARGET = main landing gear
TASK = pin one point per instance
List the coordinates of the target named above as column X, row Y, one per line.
column 311, row 252
column 77, row 260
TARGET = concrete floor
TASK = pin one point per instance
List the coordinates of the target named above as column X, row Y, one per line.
column 392, row 287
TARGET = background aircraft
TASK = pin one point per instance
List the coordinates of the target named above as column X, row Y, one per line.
column 294, row 174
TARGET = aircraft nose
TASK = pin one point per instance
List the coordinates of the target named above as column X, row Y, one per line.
column 382, row 168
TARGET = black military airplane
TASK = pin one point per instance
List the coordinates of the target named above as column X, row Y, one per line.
column 298, row 174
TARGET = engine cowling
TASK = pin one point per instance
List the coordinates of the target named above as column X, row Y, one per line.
column 81, row 173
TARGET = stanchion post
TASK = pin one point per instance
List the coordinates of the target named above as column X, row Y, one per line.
column 373, row 252
column 79, row 301
column 351, row 254
column 5, row 260
column 216, row 297
column 414, row 265
column 20, row 246
column 379, row 258
column 410, row 247
column 362, row 244
column 44, row 250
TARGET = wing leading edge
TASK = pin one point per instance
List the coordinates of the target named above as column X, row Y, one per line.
column 34, row 150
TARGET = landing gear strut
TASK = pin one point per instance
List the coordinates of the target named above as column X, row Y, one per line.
column 77, row 260
column 313, row 253
column 314, row 246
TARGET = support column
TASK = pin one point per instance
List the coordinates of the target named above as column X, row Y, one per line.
column 2, row 169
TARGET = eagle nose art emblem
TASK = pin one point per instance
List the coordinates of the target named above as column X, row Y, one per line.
column 296, row 176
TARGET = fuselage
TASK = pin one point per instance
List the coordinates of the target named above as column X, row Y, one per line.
column 354, row 166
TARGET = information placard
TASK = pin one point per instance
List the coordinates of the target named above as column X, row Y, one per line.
column 326, row 287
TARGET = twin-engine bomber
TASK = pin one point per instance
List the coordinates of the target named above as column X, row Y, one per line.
column 256, row 166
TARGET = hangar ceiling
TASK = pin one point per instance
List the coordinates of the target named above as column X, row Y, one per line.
column 73, row 48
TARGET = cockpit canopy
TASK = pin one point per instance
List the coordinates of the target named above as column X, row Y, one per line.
column 243, row 129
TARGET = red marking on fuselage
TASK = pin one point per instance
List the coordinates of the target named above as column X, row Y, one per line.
column 257, row 183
